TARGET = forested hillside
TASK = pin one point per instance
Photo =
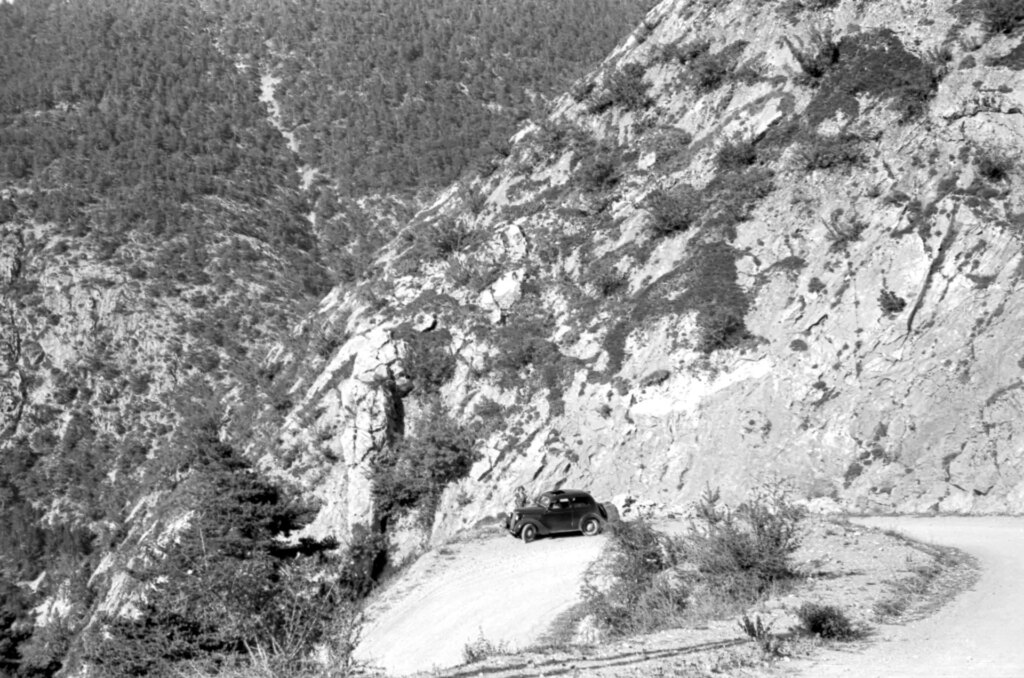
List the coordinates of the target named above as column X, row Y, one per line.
column 158, row 243
column 389, row 95
column 400, row 97
column 155, row 245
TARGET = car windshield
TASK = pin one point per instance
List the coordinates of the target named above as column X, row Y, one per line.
column 543, row 501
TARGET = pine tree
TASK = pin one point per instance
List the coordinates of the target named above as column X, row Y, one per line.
column 226, row 583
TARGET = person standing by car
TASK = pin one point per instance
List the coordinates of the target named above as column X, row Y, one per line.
column 518, row 501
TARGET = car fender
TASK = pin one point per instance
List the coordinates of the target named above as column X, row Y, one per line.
column 541, row 529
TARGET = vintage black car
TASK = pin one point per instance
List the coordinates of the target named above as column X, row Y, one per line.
column 556, row 512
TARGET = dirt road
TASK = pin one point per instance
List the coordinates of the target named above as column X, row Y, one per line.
column 980, row 633
column 499, row 588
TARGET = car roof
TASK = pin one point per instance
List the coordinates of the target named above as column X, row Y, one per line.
column 565, row 493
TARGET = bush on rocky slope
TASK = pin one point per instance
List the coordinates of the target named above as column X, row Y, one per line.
column 747, row 549
column 434, row 451
column 225, row 583
column 673, row 211
column 1001, row 16
column 625, row 88
column 639, row 597
column 730, row 557
column 874, row 63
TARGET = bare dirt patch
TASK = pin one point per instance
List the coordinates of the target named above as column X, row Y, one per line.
column 491, row 586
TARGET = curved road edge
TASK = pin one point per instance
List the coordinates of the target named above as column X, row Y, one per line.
column 493, row 588
column 978, row 633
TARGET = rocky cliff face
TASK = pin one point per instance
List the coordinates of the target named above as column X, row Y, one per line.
column 764, row 241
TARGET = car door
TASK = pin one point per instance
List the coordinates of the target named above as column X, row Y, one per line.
column 559, row 515
column 581, row 507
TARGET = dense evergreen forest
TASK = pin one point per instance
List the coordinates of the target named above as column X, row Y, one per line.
column 389, row 95
column 136, row 153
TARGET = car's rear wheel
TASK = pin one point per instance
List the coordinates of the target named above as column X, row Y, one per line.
column 590, row 527
column 528, row 533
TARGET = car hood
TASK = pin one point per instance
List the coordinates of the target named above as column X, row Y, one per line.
column 530, row 511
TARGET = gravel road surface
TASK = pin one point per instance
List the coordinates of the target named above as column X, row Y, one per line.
column 980, row 634
column 499, row 588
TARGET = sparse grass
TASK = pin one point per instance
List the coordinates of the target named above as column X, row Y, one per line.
column 482, row 648
column 892, row 606
column 905, row 591
column 761, row 633
column 560, row 634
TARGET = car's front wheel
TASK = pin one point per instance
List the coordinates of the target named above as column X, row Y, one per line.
column 528, row 533
column 590, row 527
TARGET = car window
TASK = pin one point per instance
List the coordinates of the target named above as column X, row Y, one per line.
column 580, row 502
column 543, row 501
column 560, row 505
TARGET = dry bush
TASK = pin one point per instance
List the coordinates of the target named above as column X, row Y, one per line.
column 818, row 55
column 821, row 152
column 890, row 303
column 995, row 165
column 674, row 211
column 745, row 551
column 730, row 558
column 642, row 596
column 761, row 633
column 826, row 621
